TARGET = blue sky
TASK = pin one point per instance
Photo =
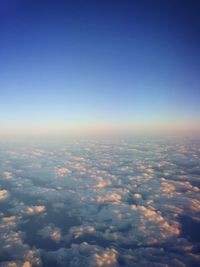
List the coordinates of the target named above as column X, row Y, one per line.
column 76, row 62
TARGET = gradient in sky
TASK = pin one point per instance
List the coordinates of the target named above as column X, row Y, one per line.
column 76, row 62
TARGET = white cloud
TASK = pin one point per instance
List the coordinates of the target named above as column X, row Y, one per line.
column 123, row 201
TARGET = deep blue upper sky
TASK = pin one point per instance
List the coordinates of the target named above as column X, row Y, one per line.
column 82, row 61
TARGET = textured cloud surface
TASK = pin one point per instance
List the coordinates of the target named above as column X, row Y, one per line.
column 100, row 203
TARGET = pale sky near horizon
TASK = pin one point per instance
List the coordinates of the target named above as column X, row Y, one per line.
column 77, row 63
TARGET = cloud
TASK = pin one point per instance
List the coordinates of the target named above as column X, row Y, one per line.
column 52, row 232
column 33, row 210
column 7, row 175
column 84, row 254
column 99, row 203
column 3, row 195
column 79, row 231
column 62, row 171
column 109, row 197
column 107, row 258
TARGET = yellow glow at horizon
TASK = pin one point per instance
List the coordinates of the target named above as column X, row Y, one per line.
column 101, row 128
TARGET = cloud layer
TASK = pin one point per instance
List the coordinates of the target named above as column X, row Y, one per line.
column 100, row 203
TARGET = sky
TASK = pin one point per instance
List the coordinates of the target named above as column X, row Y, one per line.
column 76, row 64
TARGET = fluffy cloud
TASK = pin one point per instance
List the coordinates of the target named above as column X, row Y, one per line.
column 35, row 210
column 13, row 250
column 100, row 203
column 3, row 195
column 84, row 254
column 52, row 232
column 77, row 232
column 109, row 197
column 107, row 258
column 62, row 171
